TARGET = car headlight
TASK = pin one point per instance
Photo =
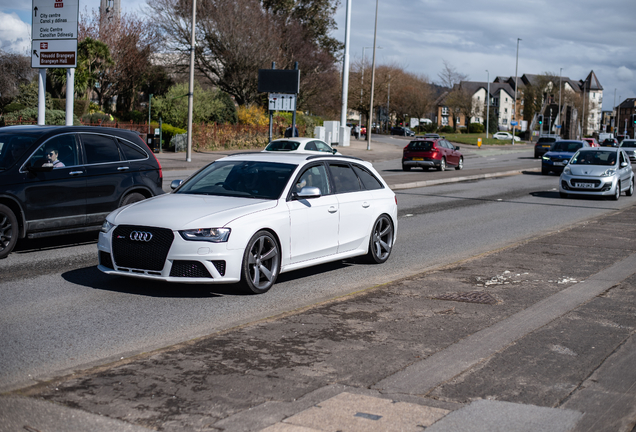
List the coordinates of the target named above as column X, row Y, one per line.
column 566, row 170
column 107, row 226
column 546, row 158
column 214, row 235
column 609, row 172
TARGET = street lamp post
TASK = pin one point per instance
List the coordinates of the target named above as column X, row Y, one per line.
column 559, row 113
column 149, row 108
column 362, row 83
column 375, row 33
column 514, row 108
column 191, row 85
column 488, row 104
column 345, row 76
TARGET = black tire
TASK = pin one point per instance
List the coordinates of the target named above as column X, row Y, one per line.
column 630, row 191
column 442, row 165
column 261, row 263
column 381, row 240
column 563, row 195
column 8, row 231
column 406, row 168
column 536, row 156
column 617, row 193
column 460, row 165
column 132, row 198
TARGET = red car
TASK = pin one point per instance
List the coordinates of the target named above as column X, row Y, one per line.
column 428, row 153
column 592, row 141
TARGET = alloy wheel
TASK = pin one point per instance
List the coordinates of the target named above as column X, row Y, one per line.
column 381, row 242
column 261, row 263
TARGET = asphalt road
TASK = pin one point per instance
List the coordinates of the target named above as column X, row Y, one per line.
column 61, row 318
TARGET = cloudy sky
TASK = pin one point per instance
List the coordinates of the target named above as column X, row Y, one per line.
column 473, row 36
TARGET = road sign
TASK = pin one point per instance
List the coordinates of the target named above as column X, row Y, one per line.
column 514, row 123
column 558, row 126
column 54, row 53
column 282, row 102
column 54, row 19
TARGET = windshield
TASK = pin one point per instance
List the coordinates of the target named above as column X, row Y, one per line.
column 282, row 146
column 628, row 143
column 594, row 158
column 566, row 146
column 250, row 179
column 13, row 146
column 420, row 145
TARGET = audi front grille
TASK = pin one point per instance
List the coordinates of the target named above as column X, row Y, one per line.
column 189, row 269
column 140, row 247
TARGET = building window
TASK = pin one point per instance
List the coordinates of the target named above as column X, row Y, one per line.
column 522, row 102
column 445, row 111
column 506, row 99
column 506, row 110
column 477, row 97
column 521, row 112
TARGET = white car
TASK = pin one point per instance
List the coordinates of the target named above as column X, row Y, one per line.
column 249, row 217
column 604, row 171
column 300, row 145
column 505, row 136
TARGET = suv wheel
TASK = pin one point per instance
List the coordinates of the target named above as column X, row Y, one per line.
column 460, row 165
column 132, row 198
column 442, row 165
column 8, row 231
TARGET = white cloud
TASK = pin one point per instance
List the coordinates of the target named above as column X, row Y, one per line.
column 624, row 74
column 15, row 35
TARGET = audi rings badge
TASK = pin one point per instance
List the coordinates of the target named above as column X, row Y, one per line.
column 140, row 236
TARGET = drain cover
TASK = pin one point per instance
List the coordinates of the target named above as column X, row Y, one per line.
column 468, row 297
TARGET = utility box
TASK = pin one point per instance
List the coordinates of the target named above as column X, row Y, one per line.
column 332, row 128
column 319, row 133
column 345, row 136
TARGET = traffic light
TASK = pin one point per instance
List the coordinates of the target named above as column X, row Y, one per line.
column 634, row 119
column 540, row 119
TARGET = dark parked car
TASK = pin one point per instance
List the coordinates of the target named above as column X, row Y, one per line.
column 629, row 146
column 543, row 145
column 428, row 153
column 65, row 179
column 403, row 131
column 609, row 142
column 560, row 154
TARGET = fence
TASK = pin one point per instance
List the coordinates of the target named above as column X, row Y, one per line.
column 205, row 136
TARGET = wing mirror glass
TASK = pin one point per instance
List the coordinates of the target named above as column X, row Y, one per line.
column 308, row 192
column 175, row 184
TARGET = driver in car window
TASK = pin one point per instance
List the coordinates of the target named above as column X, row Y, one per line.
column 52, row 155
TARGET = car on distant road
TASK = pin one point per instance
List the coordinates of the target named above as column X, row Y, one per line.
column 559, row 155
column 432, row 136
column 592, row 142
column 57, row 180
column 431, row 153
column 629, row 147
column 610, row 142
column 505, row 136
column 621, row 137
column 598, row 171
column 543, row 145
column 403, row 131
column 249, row 217
column 300, row 145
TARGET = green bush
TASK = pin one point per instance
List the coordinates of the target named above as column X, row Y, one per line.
column 80, row 106
column 97, row 117
column 446, row 129
column 168, row 132
column 14, row 106
column 51, row 117
column 475, row 128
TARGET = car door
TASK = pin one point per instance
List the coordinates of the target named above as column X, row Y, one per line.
column 355, row 207
column 107, row 175
column 55, row 199
column 625, row 171
column 314, row 222
column 451, row 154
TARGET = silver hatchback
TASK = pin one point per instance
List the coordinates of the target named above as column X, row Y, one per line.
column 603, row 171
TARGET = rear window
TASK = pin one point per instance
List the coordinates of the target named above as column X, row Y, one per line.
column 421, row 145
column 546, row 140
column 628, row 143
column 12, row 147
column 567, row 146
column 282, row 146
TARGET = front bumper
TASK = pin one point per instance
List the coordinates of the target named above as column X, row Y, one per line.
column 586, row 185
column 190, row 262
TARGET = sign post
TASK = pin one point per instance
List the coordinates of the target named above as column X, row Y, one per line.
column 54, row 45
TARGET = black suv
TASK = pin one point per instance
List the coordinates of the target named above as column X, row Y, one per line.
column 404, row 131
column 543, row 145
column 66, row 179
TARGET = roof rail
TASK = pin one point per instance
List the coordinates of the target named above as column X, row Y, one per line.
column 332, row 156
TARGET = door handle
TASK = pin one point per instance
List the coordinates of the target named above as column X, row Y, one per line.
column 123, row 168
column 365, row 204
column 74, row 173
column 333, row 209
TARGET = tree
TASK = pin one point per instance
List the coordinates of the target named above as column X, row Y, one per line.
column 130, row 41
column 449, row 76
column 460, row 102
column 235, row 38
column 412, row 94
column 209, row 106
column 15, row 70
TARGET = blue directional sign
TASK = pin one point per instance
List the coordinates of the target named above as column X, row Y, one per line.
column 514, row 123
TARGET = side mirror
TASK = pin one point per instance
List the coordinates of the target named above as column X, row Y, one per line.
column 623, row 164
column 334, row 151
column 308, row 192
column 175, row 184
column 456, row 147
